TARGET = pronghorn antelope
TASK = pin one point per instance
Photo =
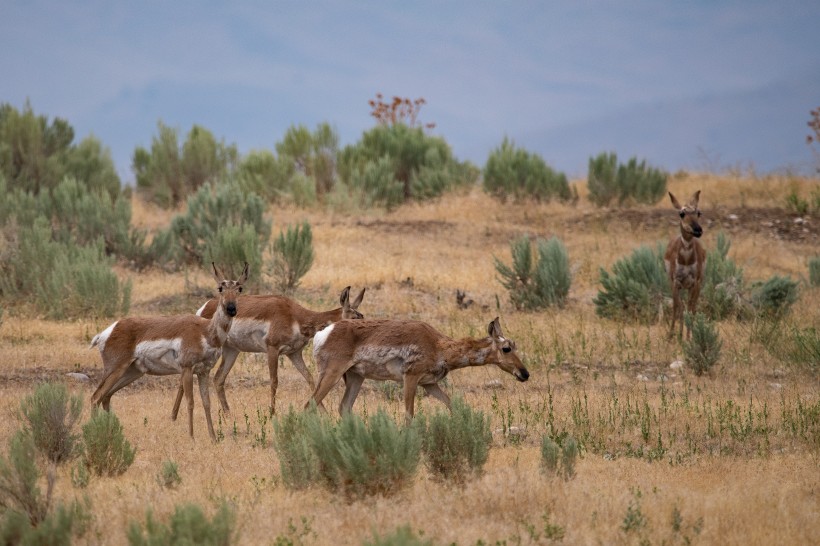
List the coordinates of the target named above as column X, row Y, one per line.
column 410, row 352
column 275, row 325
column 182, row 344
column 685, row 259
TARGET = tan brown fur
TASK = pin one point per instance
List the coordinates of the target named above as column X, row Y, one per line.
column 281, row 314
column 407, row 351
column 685, row 259
column 184, row 344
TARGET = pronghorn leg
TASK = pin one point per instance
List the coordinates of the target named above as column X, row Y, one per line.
column 178, row 401
column 694, row 293
column 676, row 309
column 410, row 384
column 327, row 379
column 131, row 374
column 204, row 393
column 273, row 370
column 353, row 382
column 229, row 355
column 299, row 364
column 188, row 387
column 110, row 381
column 435, row 391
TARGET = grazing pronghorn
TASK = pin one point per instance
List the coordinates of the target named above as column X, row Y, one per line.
column 182, row 344
column 275, row 325
column 685, row 259
column 407, row 351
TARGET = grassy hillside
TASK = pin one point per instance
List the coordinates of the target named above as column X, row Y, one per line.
column 730, row 458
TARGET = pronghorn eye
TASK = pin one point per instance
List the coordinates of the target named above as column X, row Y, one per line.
column 698, row 214
column 220, row 288
column 506, row 349
column 240, row 289
column 682, row 214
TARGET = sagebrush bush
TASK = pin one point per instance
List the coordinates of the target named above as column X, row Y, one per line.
column 106, row 451
column 543, row 284
column 298, row 464
column 814, row 271
column 702, row 351
column 514, row 173
column 168, row 475
column 455, row 444
column 187, row 525
column 19, row 491
column 233, row 246
column 559, row 459
column 774, row 298
column 636, row 289
column 291, row 256
column 402, row 536
column 633, row 181
column 352, row 457
column 723, row 287
column 376, row 184
column 49, row 415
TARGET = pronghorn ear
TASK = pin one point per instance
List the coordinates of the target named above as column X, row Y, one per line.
column 219, row 278
column 675, row 201
column 344, row 297
column 358, row 300
column 494, row 329
column 693, row 202
column 245, row 273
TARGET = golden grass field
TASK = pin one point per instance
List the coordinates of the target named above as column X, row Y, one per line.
column 734, row 456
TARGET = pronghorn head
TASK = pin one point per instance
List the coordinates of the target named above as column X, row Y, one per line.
column 229, row 290
column 689, row 215
column 350, row 310
column 505, row 356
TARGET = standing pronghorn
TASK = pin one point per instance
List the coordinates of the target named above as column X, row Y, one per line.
column 407, row 351
column 685, row 259
column 275, row 325
column 182, row 344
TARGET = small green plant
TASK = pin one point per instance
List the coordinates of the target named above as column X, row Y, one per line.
column 559, row 459
column 292, row 256
column 168, row 476
column 633, row 181
column 456, row 444
column 636, row 288
column 796, row 204
column 187, row 525
column 814, row 275
column 515, row 173
column 634, row 519
column 295, row 536
column 50, row 414
column 543, row 284
column 106, row 451
column 702, row 351
column 773, row 299
column 402, row 536
column 80, row 476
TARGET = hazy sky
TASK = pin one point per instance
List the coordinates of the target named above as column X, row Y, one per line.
column 695, row 85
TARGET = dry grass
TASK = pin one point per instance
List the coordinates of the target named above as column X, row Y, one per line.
column 719, row 451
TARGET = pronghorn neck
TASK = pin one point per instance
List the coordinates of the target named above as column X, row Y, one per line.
column 219, row 326
column 316, row 321
column 466, row 352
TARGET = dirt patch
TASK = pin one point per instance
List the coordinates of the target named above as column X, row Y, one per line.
column 408, row 226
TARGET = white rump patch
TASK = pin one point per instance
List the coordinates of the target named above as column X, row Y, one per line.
column 100, row 339
column 320, row 338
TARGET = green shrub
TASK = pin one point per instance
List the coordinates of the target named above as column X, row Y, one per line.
column 514, row 173
column 168, row 173
column 62, row 279
column 559, row 459
column 214, row 208
column 546, row 283
column 233, row 246
column 49, row 415
column 702, row 351
column 633, row 181
column 394, row 163
column 353, row 458
column 297, row 461
column 58, row 528
column 292, row 256
column 168, row 476
column 106, row 451
column 187, row 525
column 402, row 536
column 264, row 174
column 313, row 157
column 456, row 444
column 773, row 299
column 723, row 287
column 19, row 475
column 636, row 288
column 814, row 271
